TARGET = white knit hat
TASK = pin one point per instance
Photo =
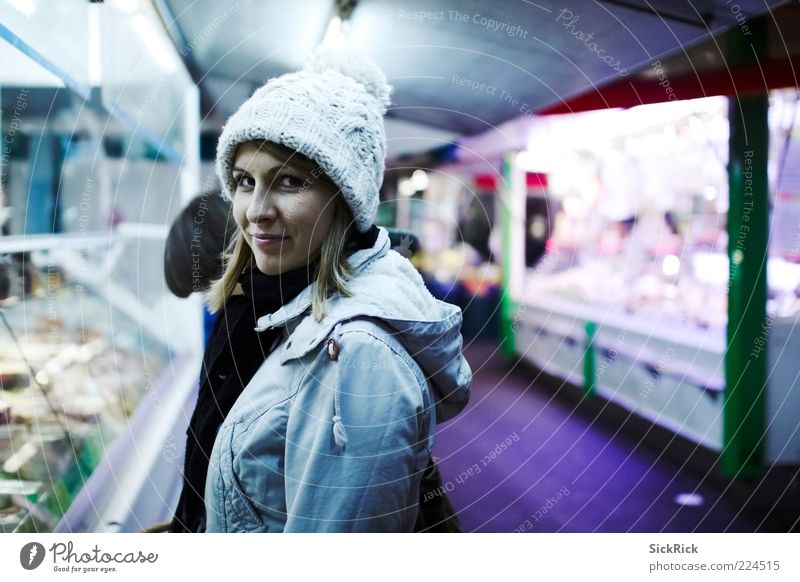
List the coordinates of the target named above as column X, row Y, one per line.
column 331, row 112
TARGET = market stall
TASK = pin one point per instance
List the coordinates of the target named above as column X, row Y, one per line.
column 630, row 300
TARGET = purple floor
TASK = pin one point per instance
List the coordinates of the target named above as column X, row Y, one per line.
column 522, row 459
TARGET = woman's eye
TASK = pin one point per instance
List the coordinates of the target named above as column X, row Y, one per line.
column 244, row 182
column 290, row 182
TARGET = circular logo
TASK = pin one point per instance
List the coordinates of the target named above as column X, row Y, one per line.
column 31, row 555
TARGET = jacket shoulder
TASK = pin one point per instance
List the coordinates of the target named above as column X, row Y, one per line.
column 369, row 338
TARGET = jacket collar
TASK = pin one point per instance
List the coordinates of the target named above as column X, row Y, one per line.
column 300, row 304
column 387, row 288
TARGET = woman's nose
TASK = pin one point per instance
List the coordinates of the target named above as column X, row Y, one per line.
column 262, row 206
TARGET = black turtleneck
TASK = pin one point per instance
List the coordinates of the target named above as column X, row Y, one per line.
column 233, row 354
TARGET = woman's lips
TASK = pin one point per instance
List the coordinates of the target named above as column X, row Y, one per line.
column 268, row 241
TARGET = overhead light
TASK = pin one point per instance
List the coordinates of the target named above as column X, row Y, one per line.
column 334, row 36
column 406, row 188
column 128, row 6
column 336, row 33
column 538, row 228
column 27, row 7
column 95, row 59
column 420, row 181
column 671, row 265
column 710, row 193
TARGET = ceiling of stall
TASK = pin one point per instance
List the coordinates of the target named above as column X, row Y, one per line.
column 526, row 54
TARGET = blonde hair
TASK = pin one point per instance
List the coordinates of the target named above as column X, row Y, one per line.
column 333, row 269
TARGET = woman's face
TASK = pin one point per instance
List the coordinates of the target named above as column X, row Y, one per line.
column 284, row 213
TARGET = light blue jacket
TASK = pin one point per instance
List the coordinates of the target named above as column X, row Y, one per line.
column 334, row 431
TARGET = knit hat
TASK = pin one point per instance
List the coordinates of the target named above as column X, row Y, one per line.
column 332, row 112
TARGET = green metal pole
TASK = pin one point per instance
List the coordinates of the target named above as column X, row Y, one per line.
column 748, row 237
column 589, row 360
column 508, row 308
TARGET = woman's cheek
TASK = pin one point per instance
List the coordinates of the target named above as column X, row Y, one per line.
column 239, row 209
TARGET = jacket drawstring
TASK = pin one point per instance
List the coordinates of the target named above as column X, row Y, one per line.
column 339, row 434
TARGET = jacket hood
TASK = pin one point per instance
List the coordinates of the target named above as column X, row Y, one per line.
column 386, row 286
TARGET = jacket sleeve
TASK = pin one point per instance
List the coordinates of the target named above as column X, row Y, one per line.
column 365, row 478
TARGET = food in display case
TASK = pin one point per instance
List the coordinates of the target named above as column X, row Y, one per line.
column 73, row 370
column 633, row 208
column 642, row 226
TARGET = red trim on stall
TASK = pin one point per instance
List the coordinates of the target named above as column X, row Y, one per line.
column 536, row 180
column 485, row 182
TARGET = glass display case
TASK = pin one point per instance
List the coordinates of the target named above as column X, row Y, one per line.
column 98, row 361
column 73, row 369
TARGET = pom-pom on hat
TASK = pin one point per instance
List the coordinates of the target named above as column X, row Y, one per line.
column 332, row 112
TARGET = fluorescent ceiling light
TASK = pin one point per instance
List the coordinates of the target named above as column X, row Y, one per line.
column 334, row 36
column 95, row 59
column 128, row 6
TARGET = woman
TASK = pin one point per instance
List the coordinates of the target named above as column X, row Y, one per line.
column 234, row 350
column 334, row 430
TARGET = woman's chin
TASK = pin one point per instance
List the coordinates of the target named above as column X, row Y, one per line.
column 274, row 265
column 269, row 265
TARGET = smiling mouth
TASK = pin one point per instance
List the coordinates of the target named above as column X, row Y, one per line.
column 269, row 242
column 268, row 237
